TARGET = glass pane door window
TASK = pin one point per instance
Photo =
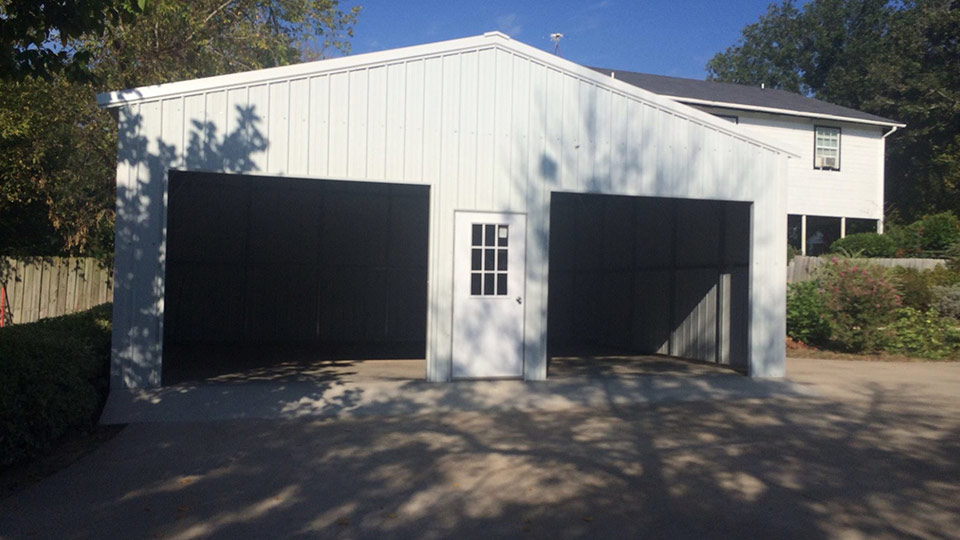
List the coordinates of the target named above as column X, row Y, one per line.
column 489, row 259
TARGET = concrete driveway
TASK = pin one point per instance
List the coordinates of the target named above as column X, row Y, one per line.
column 875, row 454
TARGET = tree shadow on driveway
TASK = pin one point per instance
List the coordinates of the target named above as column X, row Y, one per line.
column 881, row 466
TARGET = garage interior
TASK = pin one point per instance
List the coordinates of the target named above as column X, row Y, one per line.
column 642, row 279
column 275, row 277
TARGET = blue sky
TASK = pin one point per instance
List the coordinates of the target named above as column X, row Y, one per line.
column 652, row 36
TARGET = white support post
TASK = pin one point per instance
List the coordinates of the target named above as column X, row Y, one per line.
column 843, row 227
column 803, row 234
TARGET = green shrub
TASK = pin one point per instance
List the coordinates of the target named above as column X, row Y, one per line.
column 924, row 334
column 865, row 245
column 948, row 301
column 906, row 238
column 939, row 232
column 916, row 287
column 791, row 253
column 913, row 286
column 930, row 236
column 805, row 313
column 953, row 258
column 859, row 302
column 53, row 380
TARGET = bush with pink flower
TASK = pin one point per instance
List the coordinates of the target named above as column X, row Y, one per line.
column 860, row 303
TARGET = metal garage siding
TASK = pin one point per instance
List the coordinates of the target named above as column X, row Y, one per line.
column 488, row 123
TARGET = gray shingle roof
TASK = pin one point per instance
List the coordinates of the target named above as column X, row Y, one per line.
column 739, row 94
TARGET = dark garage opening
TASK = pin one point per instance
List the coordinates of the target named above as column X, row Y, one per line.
column 280, row 275
column 641, row 276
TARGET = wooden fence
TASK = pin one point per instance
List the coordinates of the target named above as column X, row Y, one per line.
column 802, row 268
column 41, row 287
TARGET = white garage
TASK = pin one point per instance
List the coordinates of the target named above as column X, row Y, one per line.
column 478, row 202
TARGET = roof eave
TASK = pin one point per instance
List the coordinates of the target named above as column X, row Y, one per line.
column 788, row 112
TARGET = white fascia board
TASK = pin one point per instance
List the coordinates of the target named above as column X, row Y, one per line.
column 266, row 75
column 774, row 110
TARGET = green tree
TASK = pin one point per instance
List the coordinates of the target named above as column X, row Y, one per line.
column 179, row 40
column 43, row 38
column 898, row 60
column 56, row 168
column 58, row 150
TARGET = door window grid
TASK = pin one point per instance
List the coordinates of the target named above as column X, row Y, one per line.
column 488, row 259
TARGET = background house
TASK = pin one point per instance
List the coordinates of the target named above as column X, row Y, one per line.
column 835, row 188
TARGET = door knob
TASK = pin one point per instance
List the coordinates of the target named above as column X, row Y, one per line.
column 519, row 300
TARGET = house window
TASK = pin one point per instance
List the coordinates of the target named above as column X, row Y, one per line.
column 856, row 225
column 729, row 118
column 822, row 232
column 795, row 231
column 826, row 149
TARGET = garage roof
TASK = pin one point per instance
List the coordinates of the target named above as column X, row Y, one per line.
column 744, row 97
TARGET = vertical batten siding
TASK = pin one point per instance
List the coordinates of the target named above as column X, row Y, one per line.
column 513, row 188
column 258, row 107
column 214, row 125
column 488, row 129
column 503, row 127
column 413, row 113
column 319, row 129
column 194, row 116
column 395, row 136
column 376, row 152
column 468, row 112
column 357, row 123
column 124, row 244
column 237, row 111
column 337, row 142
column 298, row 143
column 148, row 287
column 487, row 181
column 439, row 368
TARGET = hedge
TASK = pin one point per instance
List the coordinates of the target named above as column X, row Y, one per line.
column 865, row 245
column 53, row 380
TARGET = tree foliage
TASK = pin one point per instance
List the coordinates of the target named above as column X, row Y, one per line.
column 899, row 60
column 181, row 40
column 58, row 150
column 41, row 39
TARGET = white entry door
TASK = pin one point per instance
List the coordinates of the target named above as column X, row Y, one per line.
column 489, row 257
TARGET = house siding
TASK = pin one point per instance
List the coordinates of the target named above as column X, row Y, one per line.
column 855, row 191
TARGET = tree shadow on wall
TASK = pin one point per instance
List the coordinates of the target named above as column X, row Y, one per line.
column 145, row 160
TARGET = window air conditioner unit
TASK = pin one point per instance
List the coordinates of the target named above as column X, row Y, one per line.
column 826, row 162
